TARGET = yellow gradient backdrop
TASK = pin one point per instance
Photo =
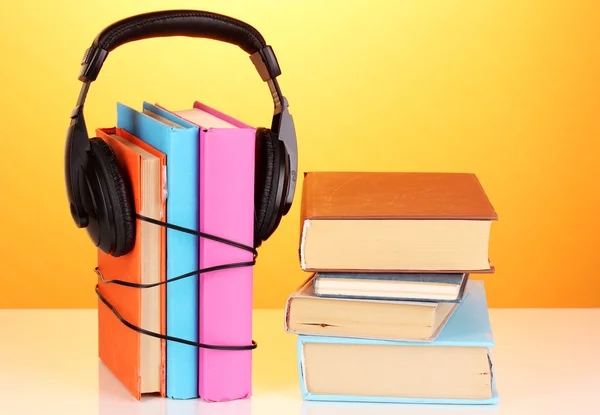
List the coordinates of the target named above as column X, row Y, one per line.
column 508, row 90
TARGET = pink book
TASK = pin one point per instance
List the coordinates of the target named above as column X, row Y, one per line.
column 226, row 210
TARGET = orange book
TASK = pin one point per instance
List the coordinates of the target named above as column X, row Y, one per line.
column 395, row 222
column 137, row 360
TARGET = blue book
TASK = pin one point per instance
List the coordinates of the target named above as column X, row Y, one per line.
column 454, row 369
column 442, row 287
column 177, row 139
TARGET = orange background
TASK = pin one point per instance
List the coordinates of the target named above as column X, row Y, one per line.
column 508, row 90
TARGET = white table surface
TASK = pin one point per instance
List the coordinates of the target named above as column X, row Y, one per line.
column 546, row 361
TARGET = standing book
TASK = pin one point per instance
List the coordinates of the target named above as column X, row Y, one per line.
column 177, row 139
column 226, row 210
column 135, row 359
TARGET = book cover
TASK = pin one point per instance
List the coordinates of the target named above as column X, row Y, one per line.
column 395, row 195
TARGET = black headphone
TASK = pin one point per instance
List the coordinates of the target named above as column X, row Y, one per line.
column 99, row 195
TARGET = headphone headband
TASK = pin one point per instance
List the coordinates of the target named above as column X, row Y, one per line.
column 189, row 23
column 192, row 23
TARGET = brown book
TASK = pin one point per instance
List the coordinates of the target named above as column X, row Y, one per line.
column 395, row 222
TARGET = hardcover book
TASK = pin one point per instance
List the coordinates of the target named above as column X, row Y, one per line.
column 178, row 140
column 306, row 313
column 137, row 360
column 394, row 222
column 226, row 210
column 391, row 286
column 455, row 368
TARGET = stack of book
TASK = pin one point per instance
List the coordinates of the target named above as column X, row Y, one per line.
column 192, row 168
column 390, row 311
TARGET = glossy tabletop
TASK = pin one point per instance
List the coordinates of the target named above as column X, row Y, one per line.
column 546, row 361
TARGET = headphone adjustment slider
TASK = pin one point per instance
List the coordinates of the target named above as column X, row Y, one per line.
column 92, row 62
column 266, row 63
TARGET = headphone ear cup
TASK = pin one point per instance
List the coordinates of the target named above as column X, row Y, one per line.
column 268, row 173
column 112, row 193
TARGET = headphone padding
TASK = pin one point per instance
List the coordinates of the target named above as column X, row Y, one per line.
column 267, row 175
column 120, row 195
column 192, row 23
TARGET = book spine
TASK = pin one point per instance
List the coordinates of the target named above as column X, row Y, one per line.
column 182, row 299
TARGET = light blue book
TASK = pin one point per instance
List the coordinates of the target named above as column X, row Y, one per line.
column 357, row 370
column 181, row 148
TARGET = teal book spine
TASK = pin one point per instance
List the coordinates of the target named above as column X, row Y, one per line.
column 468, row 326
column 181, row 148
